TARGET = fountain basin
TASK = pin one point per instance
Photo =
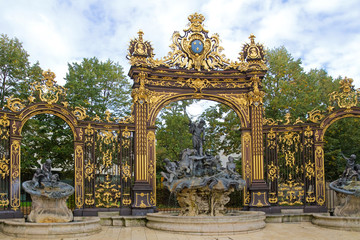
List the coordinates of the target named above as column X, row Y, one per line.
column 337, row 222
column 81, row 226
column 233, row 223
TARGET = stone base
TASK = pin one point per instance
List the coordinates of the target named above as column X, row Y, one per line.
column 80, row 227
column 49, row 210
column 348, row 205
column 207, row 225
column 340, row 223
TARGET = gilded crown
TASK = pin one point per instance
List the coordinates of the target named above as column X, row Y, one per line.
column 196, row 18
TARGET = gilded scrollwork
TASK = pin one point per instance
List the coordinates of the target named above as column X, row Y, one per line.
column 47, row 88
column 4, row 127
column 126, row 171
column 196, row 50
column 4, row 200
column 80, row 113
column 347, row 97
column 4, row 167
column 256, row 95
column 272, row 171
column 315, row 116
column 107, row 194
column 15, row 104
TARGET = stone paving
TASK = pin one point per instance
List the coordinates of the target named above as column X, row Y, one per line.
column 279, row 231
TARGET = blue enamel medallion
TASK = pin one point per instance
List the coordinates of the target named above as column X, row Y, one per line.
column 197, row 46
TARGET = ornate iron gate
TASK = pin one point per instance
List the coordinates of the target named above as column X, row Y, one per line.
column 114, row 159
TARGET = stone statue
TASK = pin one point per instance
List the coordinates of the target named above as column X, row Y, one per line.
column 171, row 170
column 352, row 169
column 46, row 170
column 347, row 189
column 198, row 135
column 48, row 196
column 230, row 167
column 37, row 178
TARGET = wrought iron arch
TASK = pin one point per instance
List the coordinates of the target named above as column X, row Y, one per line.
column 56, row 110
column 335, row 116
column 241, row 110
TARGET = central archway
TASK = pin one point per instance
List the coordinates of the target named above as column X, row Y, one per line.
column 206, row 74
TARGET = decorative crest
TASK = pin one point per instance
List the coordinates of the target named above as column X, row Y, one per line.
column 256, row 95
column 196, row 50
column 139, row 51
column 347, row 97
column 254, row 55
column 48, row 90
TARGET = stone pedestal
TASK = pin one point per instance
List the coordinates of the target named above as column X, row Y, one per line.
column 48, row 210
column 348, row 205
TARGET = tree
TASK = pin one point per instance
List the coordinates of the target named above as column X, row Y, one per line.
column 223, row 132
column 172, row 134
column 98, row 86
column 16, row 72
column 341, row 137
column 289, row 89
column 47, row 137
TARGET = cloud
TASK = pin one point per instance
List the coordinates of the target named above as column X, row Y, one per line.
column 324, row 34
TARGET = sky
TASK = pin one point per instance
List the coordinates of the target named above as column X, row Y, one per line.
column 323, row 33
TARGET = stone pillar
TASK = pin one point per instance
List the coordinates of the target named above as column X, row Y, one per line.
column 319, row 174
column 142, row 188
column 258, row 189
column 15, row 162
column 246, row 163
column 79, row 174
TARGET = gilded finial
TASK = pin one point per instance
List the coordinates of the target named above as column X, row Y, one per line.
column 140, row 33
column 252, row 38
column 346, row 84
column 196, row 18
column 49, row 77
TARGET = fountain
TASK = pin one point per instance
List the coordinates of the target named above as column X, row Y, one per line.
column 202, row 187
column 347, row 188
column 49, row 214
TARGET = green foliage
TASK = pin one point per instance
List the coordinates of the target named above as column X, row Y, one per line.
column 98, row 86
column 289, row 89
column 223, row 130
column 342, row 136
column 47, row 137
column 16, row 72
column 172, row 134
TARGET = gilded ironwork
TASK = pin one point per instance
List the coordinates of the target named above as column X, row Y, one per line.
column 4, row 200
column 79, row 178
column 15, row 175
column 271, row 139
column 126, row 201
column 4, row 167
column 89, row 171
column 4, row 127
column 273, row 198
column 126, row 138
column 14, row 104
column 80, row 113
column 272, row 171
column 315, row 116
column 107, row 194
column 256, row 96
column 347, row 97
column 126, row 172
column 291, row 193
column 89, row 200
column 320, row 176
column 47, row 88
column 195, row 50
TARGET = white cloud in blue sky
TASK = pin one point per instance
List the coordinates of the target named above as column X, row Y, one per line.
column 323, row 33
